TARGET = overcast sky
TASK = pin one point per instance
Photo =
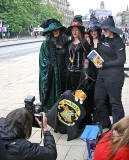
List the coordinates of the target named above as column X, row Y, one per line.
column 82, row 6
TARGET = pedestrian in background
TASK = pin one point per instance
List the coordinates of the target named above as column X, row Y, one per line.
column 52, row 63
column 110, row 77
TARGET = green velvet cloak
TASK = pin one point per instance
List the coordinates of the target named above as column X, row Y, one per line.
column 49, row 85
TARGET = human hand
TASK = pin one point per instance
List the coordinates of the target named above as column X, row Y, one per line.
column 86, row 63
column 99, row 66
column 58, row 46
column 44, row 121
column 86, row 76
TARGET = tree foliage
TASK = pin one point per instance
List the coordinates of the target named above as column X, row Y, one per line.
column 20, row 14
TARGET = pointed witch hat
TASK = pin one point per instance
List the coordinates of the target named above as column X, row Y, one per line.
column 93, row 24
column 109, row 24
column 50, row 25
column 77, row 22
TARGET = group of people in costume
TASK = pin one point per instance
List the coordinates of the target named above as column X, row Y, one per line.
column 63, row 63
column 64, row 66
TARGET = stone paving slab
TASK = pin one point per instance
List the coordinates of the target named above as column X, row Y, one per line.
column 15, row 41
column 19, row 78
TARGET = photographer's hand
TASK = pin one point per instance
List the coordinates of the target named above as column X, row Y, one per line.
column 44, row 121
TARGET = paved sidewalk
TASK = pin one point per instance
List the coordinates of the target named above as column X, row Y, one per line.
column 17, row 41
column 20, row 79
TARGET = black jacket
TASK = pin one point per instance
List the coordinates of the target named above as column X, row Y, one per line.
column 77, row 53
column 21, row 149
column 112, row 51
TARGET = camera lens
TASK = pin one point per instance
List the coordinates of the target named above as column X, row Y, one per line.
column 37, row 108
column 39, row 116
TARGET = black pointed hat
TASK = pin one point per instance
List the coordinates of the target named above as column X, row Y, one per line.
column 50, row 25
column 77, row 22
column 94, row 23
column 109, row 24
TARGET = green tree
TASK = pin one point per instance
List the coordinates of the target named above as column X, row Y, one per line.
column 19, row 14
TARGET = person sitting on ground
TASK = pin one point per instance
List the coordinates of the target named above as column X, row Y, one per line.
column 115, row 144
column 16, row 129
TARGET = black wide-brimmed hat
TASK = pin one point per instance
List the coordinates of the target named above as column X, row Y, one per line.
column 93, row 24
column 77, row 22
column 50, row 25
column 109, row 24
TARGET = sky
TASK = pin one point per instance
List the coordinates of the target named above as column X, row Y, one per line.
column 82, row 6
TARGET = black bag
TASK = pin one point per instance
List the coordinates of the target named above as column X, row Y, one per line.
column 66, row 114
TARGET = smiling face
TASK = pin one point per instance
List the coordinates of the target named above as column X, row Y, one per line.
column 107, row 33
column 75, row 32
column 56, row 33
column 94, row 34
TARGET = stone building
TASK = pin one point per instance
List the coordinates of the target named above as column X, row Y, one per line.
column 63, row 7
column 118, row 19
column 100, row 13
column 125, row 18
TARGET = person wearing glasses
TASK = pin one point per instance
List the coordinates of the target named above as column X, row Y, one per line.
column 110, row 77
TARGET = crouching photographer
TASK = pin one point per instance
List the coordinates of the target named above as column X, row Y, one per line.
column 16, row 128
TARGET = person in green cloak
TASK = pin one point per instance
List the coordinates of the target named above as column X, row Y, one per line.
column 52, row 63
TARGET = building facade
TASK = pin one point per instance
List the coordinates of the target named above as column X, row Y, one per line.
column 118, row 19
column 100, row 13
column 125, row 18
column 63, row 7
column 122, row 19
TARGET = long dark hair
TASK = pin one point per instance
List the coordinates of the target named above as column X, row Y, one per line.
column 81, row 39
column 99, row 37
column 20, row 121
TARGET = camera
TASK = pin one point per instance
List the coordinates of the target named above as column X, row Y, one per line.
column 34, row 109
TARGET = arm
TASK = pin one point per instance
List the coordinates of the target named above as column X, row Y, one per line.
column 35, row 151
column 49, row 149
column 43, row 71
column 119, row 49
column 86, row 61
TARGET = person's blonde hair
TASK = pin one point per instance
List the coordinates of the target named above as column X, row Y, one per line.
column 120, row 135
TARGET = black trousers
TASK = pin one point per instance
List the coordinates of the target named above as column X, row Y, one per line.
column 109, row 84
